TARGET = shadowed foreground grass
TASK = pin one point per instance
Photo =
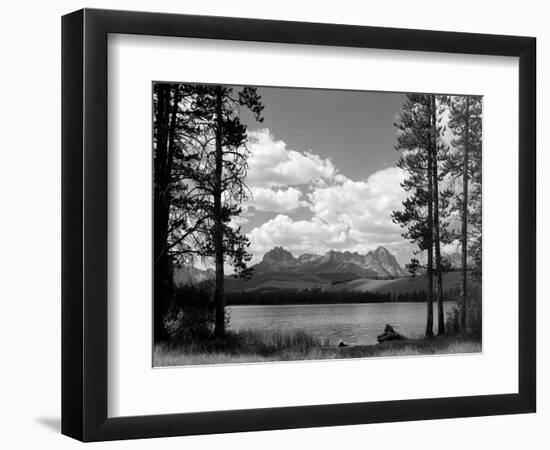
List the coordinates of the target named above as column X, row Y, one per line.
column 249, row 346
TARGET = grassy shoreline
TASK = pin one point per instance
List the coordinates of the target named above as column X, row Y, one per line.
column 251, row 347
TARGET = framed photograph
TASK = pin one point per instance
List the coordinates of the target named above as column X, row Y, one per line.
column 273, row 225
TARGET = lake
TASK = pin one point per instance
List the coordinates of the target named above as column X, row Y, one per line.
column 352, row 323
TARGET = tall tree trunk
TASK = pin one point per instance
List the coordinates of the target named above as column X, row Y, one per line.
column 219, row 301
column 429, row 243
column 162, row 266
column 437, row 237
column 465, row 166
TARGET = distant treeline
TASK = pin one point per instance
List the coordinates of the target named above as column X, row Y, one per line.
column 313, row 297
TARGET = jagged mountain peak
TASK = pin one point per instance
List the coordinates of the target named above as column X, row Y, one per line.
column 378, row 263
column 184, row 275
column 278, row 254
column 384, row 254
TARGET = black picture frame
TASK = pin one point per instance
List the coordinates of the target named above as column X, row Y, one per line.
column 84, row 224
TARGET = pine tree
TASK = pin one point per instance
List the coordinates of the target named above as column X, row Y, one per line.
column 166, row 99
column 176, row 218
column 475, row 171
column 416, row 139
column 465, row 122
column 221, row 179
column 441, row 199
column 200, row 166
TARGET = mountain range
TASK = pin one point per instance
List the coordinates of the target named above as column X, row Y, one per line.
column 279, row 265
column 379, row 263
column 191, row 275
column 377, row 271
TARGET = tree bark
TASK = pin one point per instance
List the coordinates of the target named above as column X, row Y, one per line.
column 429, row 244
column 219, row 301
column 465, row 166
column 437, row 237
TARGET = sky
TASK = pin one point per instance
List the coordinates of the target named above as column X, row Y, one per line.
column 323, row 173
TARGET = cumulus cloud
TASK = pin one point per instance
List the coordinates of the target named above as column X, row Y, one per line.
column 366, row 206
column 298, row 236
column 346, row 215
column 273, row 164
column 277, row 200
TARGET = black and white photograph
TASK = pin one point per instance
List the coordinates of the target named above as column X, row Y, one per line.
column 266, row 225
column 310, row 224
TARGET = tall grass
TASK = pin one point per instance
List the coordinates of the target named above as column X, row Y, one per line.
column 269, row 342
column 239, row 346
column 249, row 346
